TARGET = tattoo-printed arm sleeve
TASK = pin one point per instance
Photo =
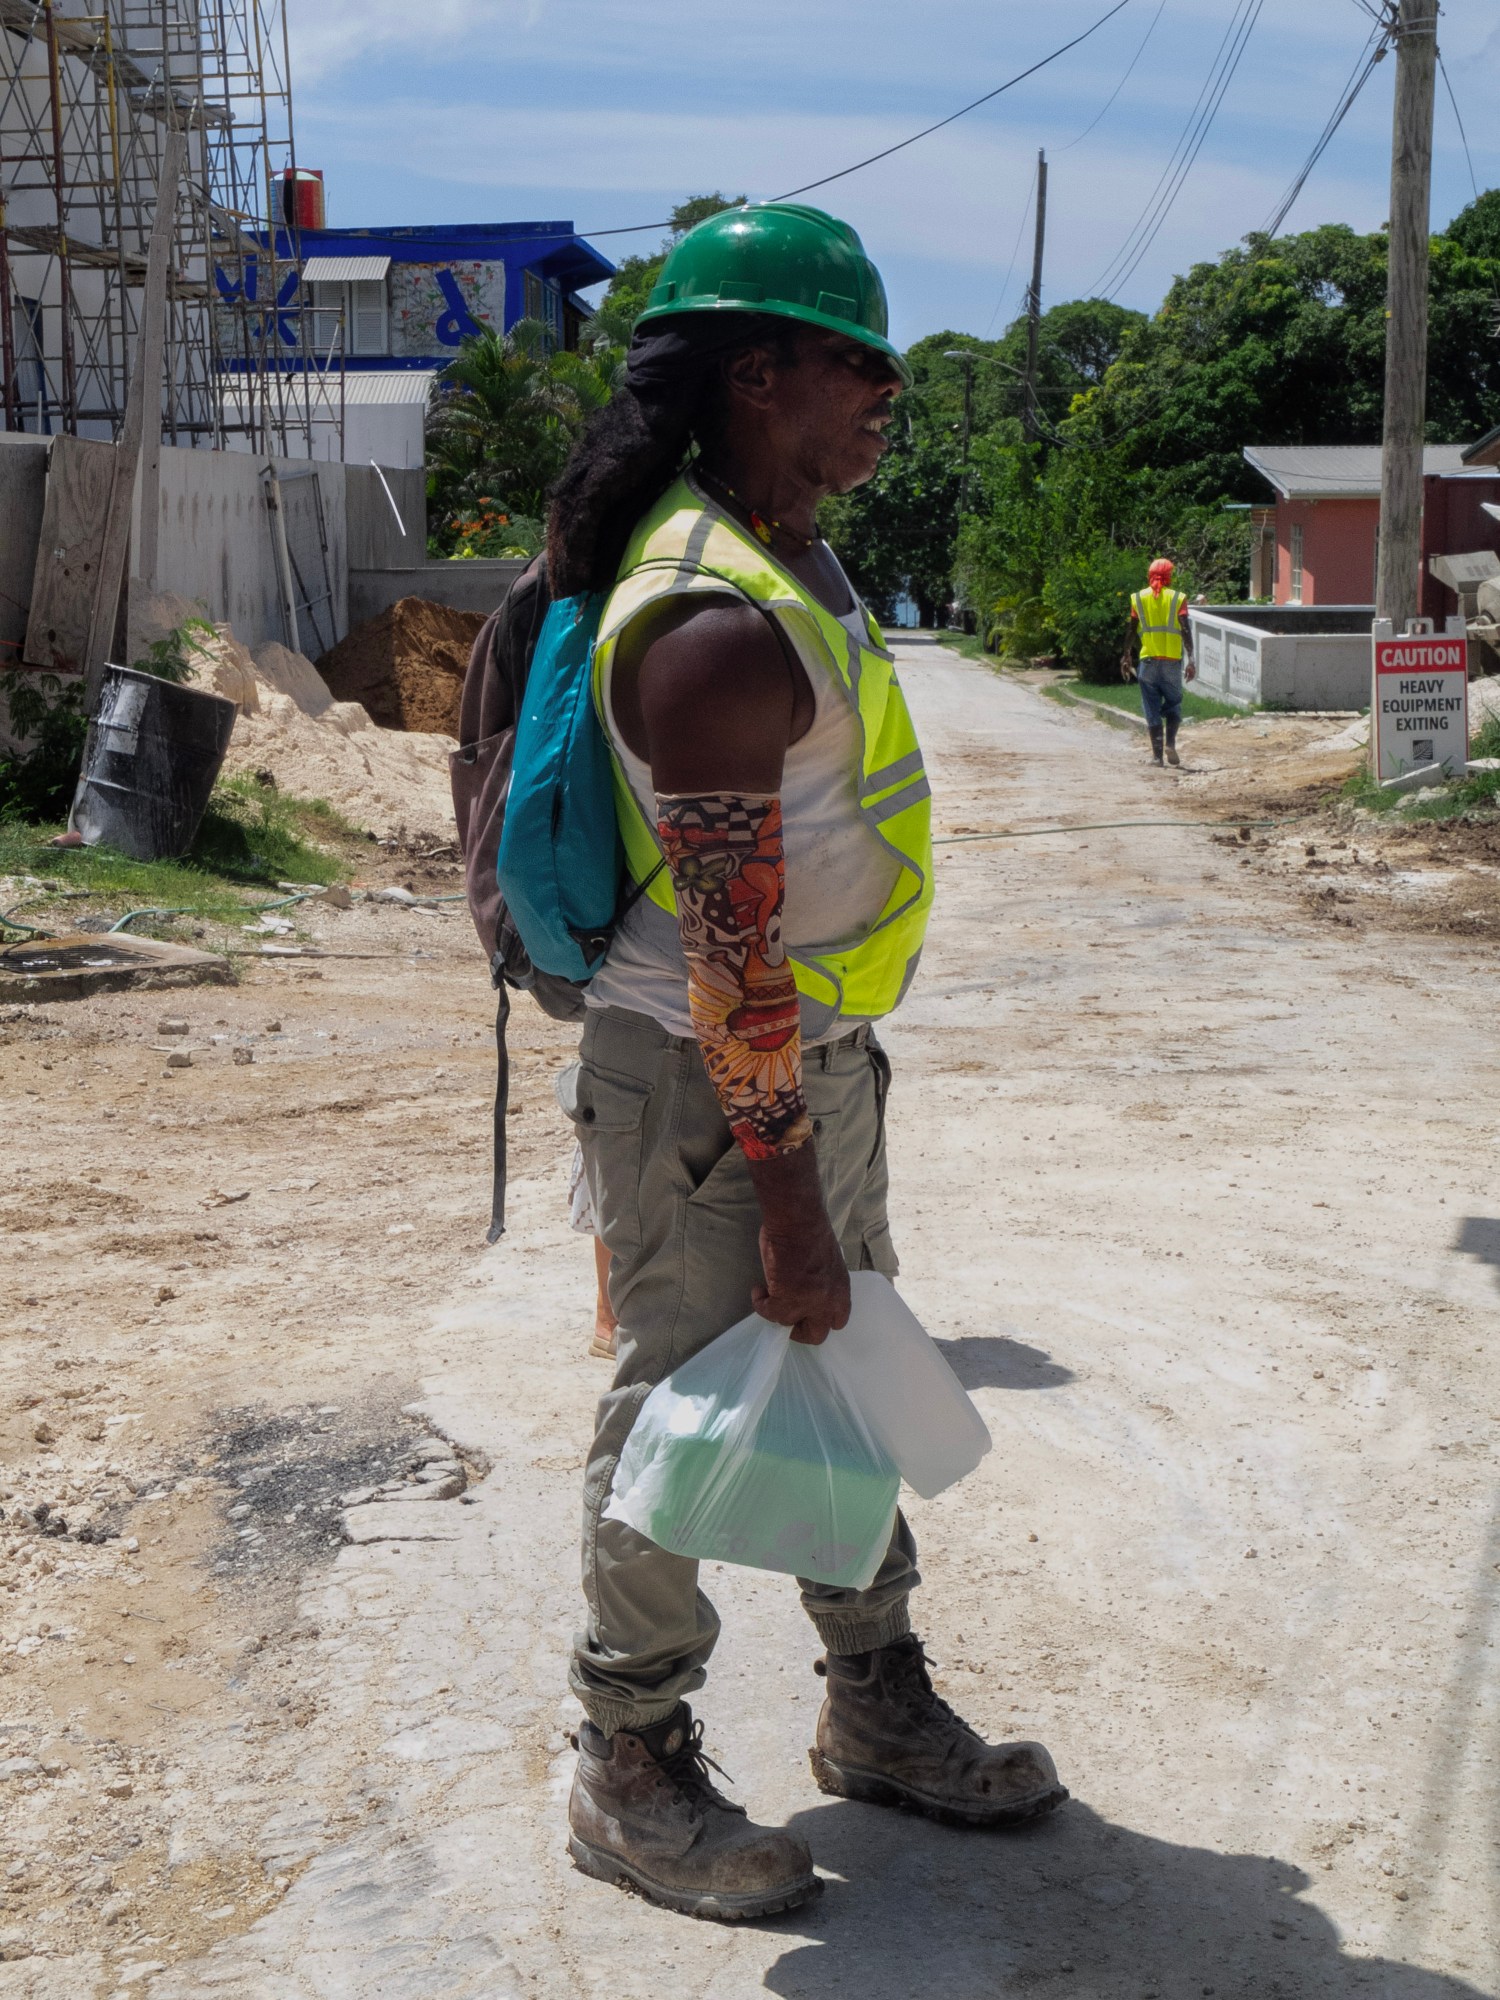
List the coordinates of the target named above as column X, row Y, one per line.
column 729, row 870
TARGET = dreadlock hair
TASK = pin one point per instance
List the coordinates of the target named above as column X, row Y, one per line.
column 673, row 396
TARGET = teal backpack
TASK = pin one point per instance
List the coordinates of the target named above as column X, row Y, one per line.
column 533, row 794
column 561, row 863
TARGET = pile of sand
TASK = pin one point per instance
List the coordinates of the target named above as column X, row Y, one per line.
column 406, row 666
column 290, row 726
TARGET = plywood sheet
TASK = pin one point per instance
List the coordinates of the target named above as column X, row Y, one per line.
column 80, row 472
column 67, row 968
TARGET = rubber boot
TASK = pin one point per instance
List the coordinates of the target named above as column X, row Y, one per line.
column 1156, row 744
column 644, row 1814
column 1172, row 726
column 886, row 1738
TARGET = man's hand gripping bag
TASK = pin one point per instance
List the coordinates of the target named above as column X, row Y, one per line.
column 763, row 1451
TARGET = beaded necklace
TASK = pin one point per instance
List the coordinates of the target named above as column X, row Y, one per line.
column 761, row 527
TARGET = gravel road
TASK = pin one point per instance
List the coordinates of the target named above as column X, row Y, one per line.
column 1198, row 1192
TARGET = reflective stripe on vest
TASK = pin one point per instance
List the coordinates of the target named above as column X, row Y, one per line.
column 1161, row 633
column 685, row 545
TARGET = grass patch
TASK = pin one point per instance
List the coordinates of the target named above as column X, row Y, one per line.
column 969, row 644
column 973, row 647
column 1477, row 794
column 1127, row 696
column 252, row 837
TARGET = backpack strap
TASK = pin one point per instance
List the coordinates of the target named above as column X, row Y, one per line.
column 493, row 690
column 502, row 1106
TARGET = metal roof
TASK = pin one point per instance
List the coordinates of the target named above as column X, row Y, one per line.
column 1485, row 450
column 344, row 270
column 1338, row 471
column 381, row 388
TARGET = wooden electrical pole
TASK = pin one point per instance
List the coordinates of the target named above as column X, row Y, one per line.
column 1398, row 577
column 1034, row 302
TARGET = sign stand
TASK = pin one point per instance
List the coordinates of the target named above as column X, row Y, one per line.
column 1419, row 701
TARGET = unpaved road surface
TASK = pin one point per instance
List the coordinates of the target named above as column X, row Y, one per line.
column 1196, row 1187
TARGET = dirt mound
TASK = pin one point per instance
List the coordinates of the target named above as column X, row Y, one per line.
column 406, row 666
column 313, row 745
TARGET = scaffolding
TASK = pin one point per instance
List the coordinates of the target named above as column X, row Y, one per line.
column 86, row 101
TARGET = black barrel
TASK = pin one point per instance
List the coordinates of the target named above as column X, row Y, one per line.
column 153, row 752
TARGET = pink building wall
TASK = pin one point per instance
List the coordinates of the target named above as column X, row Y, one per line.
column 1338, row 542
column 1338, row 550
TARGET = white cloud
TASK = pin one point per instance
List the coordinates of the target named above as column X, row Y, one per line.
column 955, row 200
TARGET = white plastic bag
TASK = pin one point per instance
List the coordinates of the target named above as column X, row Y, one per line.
column 763, row 1451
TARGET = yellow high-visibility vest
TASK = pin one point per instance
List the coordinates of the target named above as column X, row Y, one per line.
column 686, row 544
column 1161, row 633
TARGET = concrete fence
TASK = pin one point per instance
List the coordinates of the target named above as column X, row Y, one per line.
column 353, row 547
column 1284, row 655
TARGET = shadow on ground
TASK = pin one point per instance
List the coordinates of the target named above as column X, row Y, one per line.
column 994, row 1361
column 1479, row 1237
column 1076, row 1908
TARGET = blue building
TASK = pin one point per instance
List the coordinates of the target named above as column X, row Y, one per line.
column 397, row 303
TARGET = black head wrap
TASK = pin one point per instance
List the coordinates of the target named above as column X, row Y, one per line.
column 635, row 446
column 671, row 359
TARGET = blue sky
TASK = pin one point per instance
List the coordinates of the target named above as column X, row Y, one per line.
column 608, row 111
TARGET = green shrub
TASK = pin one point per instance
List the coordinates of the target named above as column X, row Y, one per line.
column 45, row 714
column 171, row 658
column 1087, row 595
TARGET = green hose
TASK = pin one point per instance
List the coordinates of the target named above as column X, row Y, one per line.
column 26, row 930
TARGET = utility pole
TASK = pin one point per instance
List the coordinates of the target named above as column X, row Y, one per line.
column 1034, row 296
column 1414, row 26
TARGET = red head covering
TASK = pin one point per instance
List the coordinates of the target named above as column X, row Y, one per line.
column 1159, row 573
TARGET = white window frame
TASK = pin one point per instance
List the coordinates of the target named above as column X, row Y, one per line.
column 1295, row 555
column 341, row 296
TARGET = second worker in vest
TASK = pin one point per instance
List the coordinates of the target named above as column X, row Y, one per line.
column 730, row 1092
column 1159, row 625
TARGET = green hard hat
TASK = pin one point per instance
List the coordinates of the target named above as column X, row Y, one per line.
column 777, row 257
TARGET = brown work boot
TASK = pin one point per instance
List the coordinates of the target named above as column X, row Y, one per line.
column 645, row 1814
column 886, row 1738
column 1172, row 756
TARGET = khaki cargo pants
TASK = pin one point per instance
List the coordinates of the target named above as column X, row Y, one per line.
column 675, row 1206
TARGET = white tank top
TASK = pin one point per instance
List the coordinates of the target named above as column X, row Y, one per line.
column 839, row 874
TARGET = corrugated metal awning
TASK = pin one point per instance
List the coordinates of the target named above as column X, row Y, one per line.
column 379, row 388
column 344, row 270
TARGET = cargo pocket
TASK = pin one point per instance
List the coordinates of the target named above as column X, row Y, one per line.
column 607, row 1114
column 878, row 1252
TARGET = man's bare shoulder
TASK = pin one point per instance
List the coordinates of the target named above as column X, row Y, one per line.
column 716, row 698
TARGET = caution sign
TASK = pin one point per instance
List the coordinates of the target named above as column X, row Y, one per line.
column 1421, row 703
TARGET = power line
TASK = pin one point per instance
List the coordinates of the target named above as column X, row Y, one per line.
column 1459, row 118
column 1364, row 69
column 640, row 228
column 988, row 98
column 1213, row 327
column 1122, row 268
column 1014, row 254
column 1130, row 71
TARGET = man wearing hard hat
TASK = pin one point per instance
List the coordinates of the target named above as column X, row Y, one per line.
column 730, row 1091
column 1159, row 621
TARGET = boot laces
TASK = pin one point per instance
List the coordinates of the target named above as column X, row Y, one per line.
column 688, row 1769
column 906, row 1679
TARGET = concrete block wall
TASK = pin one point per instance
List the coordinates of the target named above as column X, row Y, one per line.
column 478, row 584
column 216, row 546
column 1247, row 664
